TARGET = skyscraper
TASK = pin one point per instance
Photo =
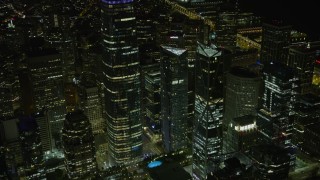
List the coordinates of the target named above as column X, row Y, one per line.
column 275, row 118
column 79, row 146
column 302, row 58
column 121, row 79
column 31, row 147
column 174, row 98
column 91, row 103
column 275, row 36
column 306, row 113
column 47, row 79
column 153, row 103
column 44, row 130
column 9, row 82
column 11, row 146
column 47, row 85
column 242, row 93
column 207, row 140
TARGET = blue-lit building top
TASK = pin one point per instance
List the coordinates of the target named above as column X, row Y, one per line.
column 117, row 1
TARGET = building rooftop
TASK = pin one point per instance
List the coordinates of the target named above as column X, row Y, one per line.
column 174, row 50
column 242, row 72
column 305, row 48
column 208, row 51
column 279, row 70
column 279, row 24
column 244, row 120
column 76, row 120
column 270, row 154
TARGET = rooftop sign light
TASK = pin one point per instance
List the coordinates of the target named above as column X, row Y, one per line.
column 116, row 1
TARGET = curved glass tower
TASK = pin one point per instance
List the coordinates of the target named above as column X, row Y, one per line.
column 121, row 80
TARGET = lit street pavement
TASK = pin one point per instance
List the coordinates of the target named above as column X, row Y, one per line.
column 150, row 148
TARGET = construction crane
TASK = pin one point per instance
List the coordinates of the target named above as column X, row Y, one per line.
column 190, row 14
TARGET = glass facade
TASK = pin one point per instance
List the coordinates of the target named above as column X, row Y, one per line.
column 207, row 140
column 121, row 79
column 47, row 87
column 270, row 162
column 153, row 104
column 275, row 37
column 90, row 102
column 31, row 147
column 9, row 84
column 174, row 98
column 275, row 119
column 79, row 149
column 280, row 84
column 302, row 59
column 242, row 93
column 241, row 98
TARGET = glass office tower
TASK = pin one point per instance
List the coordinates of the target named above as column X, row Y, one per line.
column 121, row 80
column 275, row 37
column 275, row 118
column 207, row 140
column 174, row 98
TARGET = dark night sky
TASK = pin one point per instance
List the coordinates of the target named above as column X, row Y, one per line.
column 304, row 15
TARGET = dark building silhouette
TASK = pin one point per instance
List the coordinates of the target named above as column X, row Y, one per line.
column 11, row 152
column 311, row 143
column 270, row 162
column 302, row 58
column 306, row 114
column 31, row 147
column 275, row 37
column 10, row 91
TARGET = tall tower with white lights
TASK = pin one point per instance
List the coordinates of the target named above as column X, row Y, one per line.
column 121, row 80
